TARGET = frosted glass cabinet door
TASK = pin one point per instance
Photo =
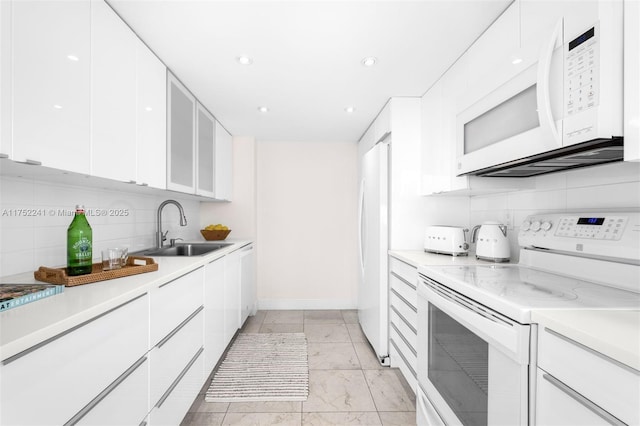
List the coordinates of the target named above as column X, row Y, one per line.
column 113, row 101
column 224, row 163
column 206, row 126
column 181, row 137
column 52, row 83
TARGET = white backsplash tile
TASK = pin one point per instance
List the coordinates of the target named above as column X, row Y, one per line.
column 118, row 219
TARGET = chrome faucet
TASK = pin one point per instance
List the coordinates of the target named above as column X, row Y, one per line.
column 160, row 236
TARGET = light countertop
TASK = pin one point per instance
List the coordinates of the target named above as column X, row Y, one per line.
column 419, row 258
column 614, row 333
column 27, row 325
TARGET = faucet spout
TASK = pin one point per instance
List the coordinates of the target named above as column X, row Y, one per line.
column 160, row 236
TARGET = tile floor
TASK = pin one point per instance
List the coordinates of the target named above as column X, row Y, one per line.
column 347, row 385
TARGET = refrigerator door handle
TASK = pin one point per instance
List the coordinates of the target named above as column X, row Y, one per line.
column 361, row 225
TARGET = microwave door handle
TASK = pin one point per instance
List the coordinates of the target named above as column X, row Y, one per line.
column 543, row 92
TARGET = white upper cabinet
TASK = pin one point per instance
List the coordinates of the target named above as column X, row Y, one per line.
column 113, row 103
column 51, row 44
column 224, row 164
column 382, row 125
column 205, row 144
column 632, row 80
column 6, row 149
column 181, row 137
column 151, row 140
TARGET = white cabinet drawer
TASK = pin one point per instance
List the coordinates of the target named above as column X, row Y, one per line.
column 608, row 384
column 170, row 356
column 555, row 406
column 65, row 373
column 174, row 301
column 175, row 403
column 402, row 356
column 126, row 403
column 407, row 312
column 408, row 293
column 398, row 362
column 404, row 270
column 403, row 328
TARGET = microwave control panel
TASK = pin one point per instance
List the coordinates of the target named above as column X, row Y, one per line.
column 581, row 70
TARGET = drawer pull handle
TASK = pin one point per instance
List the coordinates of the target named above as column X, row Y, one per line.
column 102, row 395
column 179, row 327
column 413, row 372
column 177, row 380
column 592, row 351
column 404, row 339
column 393, row 308
column 604, row 415
column 404, row 281
column 413, row 308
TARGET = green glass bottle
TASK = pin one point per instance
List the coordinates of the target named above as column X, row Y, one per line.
column 79, row 242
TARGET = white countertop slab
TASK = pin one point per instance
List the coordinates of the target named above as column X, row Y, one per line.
column 419, row 258
column 614, row 333
column 27, row 325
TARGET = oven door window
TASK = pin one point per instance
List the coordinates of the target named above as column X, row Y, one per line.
column 458, row 367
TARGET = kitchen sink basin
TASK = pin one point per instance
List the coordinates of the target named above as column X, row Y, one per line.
column 195, row 249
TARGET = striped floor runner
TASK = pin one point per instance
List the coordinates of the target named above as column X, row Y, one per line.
column 263, row 367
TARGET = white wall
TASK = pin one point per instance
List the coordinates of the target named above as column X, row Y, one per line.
column 28, row 242
column 307, row 225
column 612, row 187
column 240, row 214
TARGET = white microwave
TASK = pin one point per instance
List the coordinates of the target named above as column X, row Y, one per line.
column 562, row 112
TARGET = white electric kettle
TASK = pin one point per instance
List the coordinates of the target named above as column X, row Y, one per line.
column 492, row 243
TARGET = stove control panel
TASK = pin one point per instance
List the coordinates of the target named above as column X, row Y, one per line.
column 604, row 234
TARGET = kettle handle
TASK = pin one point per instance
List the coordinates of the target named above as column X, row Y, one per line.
column 503, row 228
column 474, row 232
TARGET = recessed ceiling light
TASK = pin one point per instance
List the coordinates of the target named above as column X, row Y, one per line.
column 244, row 60
column 349, row 109
column 515, row 60
column 56, row 106
column 369, row 61
column 73, row 58
column 263, row 109
column 148, row 109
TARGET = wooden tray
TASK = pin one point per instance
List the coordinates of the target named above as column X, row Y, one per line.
column 135, row 265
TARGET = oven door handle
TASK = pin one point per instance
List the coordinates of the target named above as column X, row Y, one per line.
column 508, row 336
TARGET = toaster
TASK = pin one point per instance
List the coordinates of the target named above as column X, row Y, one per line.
column 449, row 240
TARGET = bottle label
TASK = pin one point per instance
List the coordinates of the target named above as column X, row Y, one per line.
column 82, row 249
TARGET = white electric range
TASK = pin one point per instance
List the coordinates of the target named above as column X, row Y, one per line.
column 476, row 340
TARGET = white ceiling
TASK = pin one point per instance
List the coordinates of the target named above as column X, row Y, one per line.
column 306, row 56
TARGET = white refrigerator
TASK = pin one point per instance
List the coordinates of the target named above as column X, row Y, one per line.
column 373, row 246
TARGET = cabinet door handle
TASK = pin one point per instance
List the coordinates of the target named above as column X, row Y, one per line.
column 102, row 395
column 604, row 415
column 33, row 162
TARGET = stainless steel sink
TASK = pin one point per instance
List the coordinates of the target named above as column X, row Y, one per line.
column 195, row 249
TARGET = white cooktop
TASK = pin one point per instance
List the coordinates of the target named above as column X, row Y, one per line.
column 515, row 290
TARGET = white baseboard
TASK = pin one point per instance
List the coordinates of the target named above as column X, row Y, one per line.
column 301, row 304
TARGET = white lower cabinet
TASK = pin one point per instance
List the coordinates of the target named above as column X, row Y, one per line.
column 403, row 319
column 125, row 402
column 175, row 403
column 214, row 342
column 58, row 380
column 248, row 284
column 168, row 358
column 577, row 385
column 173, row 301
column 232, row 283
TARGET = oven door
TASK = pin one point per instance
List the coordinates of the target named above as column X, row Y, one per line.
column 473, row 363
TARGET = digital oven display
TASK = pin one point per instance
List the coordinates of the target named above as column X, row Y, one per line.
column 581, row 39
column 591, row 221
